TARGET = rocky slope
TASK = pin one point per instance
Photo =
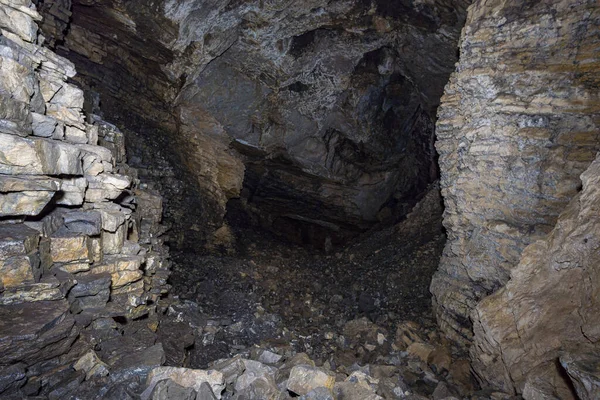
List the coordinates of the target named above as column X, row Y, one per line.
column 519, row 122
column 548, row 309
column 322, row 112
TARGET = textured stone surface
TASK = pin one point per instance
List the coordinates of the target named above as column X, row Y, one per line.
column 322, row 111
column 549, row 305
column 584, row 371
column 518, row 123
column 35, row 332
column 188, row 378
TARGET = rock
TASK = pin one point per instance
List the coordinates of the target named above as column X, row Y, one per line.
column 188, row 378
column 584, row 371
column 20, row 20
column 75, row 135
column 421, row 350
column 105, row 187
column 48, row 289
column 544, row 309
column 136, row 364
column 169, row 390
column 25, row 195
column 91, row 365
column 33, row 332
column 112, row 242
column 503, row 187
column 72, row 192
column 354, row 391
column 320, row 393
column 83, row 222
column 38, row 156
column 304, row 378
column 66, row 246
column 18, row 262
column 268, row 357
column 17, row 239
column 43, row 125
column 231, row 369
column 205, row 392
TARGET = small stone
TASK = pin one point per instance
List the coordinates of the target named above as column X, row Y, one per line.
column 189, row 378
column 320, row 393
column 420, row 350
column 91, row 364
column 66, row 247
column 304, row 378
column 43, row 125
column 169, row 390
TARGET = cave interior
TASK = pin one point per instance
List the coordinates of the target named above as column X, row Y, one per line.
column 270, row 199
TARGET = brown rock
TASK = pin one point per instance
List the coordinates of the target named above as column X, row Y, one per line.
column 549, row 305
column 67, row 247
column 510, row 148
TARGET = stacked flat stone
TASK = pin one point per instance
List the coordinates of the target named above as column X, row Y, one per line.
column 79, row 239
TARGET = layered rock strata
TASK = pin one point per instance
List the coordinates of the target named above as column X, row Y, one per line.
column 80, row 243
column 318, row 114
column 549, row 308
column 519, row 122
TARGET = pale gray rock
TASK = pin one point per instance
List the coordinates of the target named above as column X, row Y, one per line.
column 189, row 378
column 22, row 195
column 85, row 222
column 72, row 192
column 43, row 125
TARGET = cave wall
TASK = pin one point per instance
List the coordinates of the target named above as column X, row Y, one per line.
column 519, row 122
column 322, row 111
column 81, row 243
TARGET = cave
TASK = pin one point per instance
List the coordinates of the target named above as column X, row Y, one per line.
column 267, row 199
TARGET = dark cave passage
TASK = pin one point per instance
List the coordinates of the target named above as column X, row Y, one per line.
column 318, row 131
column 290, row 158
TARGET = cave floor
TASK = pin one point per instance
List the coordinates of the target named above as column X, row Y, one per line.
column 273, row 293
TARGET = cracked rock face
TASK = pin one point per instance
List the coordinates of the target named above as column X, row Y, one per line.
column 550, row 305
column 518, row 124
column 318, row 114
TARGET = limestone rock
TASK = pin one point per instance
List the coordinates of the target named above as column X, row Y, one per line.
column 87, row 223
column 67, row 247
column 169, row 390
column 189, row 378
column 304, row 378
column 91, row 364
column 38, row 156
column 518, row 123
column 35, row 331
column 548, row 304
column 18, row 261
column 584, row 371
